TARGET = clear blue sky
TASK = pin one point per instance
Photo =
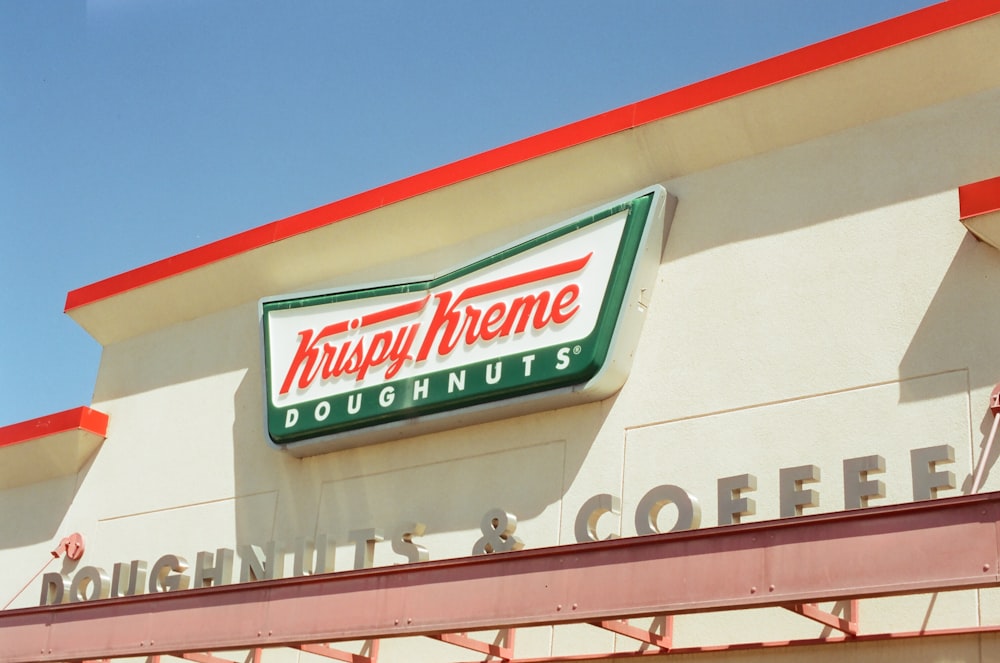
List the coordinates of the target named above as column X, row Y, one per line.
column 133, row 130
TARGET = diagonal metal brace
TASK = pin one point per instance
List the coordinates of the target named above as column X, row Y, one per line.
column 338, row 655
column 621, row 626
column 504, row 652
column 206, row 657
column 812, row 611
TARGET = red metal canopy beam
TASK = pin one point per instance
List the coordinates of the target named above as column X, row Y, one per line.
column 810, row 559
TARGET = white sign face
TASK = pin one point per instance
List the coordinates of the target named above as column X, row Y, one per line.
column 537, row 320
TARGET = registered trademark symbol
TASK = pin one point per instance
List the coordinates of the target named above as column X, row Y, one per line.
column 577, row 349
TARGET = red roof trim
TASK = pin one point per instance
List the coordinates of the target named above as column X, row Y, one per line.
column 893, row 32
column 81, row 418
column 979, row 198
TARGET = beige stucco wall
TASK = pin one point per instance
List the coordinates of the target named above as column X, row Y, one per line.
column 815, row 303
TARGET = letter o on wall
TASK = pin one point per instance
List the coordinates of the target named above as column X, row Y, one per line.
column 89, row 580
column 648, row 511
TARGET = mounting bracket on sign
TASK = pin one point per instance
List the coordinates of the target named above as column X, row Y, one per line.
column 72, row 546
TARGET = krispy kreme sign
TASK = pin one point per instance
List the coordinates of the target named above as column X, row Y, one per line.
column 547, row 322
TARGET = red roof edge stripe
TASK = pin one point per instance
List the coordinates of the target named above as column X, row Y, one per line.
column 979, row 198
column 80, row 418
column 853, row 45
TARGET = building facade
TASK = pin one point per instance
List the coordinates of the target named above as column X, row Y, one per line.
column 796, row 458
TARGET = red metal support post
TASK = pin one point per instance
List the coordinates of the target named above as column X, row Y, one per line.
column 663, row 641
column 813, row 612
column 504, row 652
column 338, row 655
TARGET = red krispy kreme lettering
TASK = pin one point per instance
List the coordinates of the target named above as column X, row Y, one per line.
column 320, row 354
column 352, row 359
column 491, row 327
column 566, row 297
column 452, row 322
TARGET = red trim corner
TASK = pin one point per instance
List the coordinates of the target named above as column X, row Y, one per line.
column 859, row 43
column 979, row 198
column 81, row 418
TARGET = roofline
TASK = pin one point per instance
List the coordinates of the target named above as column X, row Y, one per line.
column 828, row 53
column 78, row 418
column 979, row 198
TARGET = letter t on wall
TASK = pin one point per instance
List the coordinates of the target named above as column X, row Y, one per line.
column 364, row 551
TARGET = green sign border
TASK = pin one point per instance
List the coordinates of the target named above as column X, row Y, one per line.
column 586, row 356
